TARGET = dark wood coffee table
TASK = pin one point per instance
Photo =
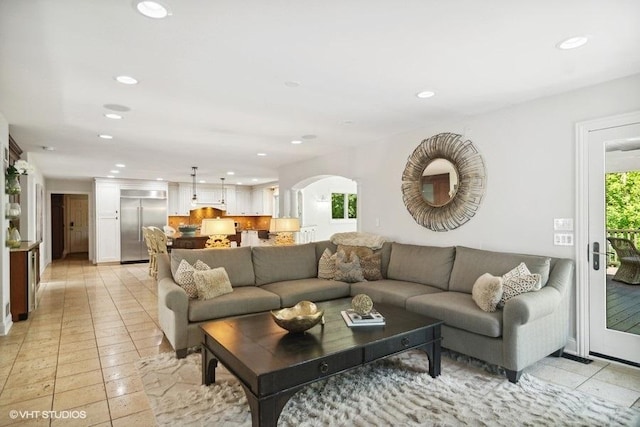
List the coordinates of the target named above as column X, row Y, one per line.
column 272, row 365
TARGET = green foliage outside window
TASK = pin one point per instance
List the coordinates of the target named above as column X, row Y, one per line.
column 338, row 206
column 353, row 206
column 623, row 200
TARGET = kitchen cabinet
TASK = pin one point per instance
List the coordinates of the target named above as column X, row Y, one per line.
column 175, row 205
column 107, row 195
column 243, row 202
column 24, row 279
column 262, row 201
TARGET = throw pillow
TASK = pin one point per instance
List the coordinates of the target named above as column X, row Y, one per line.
column 361, row 251
column 517, row 282
column 487, row 292
column 212, row 283
column 522, row 270
column 371, row 266
column 327, row 265
column 184, row 276
column 348, row 268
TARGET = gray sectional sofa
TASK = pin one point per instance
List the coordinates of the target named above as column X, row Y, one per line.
column 434, row 281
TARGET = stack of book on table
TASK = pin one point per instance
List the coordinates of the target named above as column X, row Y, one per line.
column 353, row 319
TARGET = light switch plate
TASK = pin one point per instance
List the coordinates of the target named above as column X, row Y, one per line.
column 563, row 239
column 563, row 224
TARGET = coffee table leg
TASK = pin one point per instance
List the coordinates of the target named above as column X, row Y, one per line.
column 434, row 353
column 209, row 364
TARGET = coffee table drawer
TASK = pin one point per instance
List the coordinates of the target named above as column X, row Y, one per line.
column 395, row 344
column 308, row 371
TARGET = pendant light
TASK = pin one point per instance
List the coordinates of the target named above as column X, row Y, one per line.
column 222, row 199
column 194, row 198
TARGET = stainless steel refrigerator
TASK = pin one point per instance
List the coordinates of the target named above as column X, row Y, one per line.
column 139, row 208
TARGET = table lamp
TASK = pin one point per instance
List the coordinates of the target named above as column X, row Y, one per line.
column 284, row 228
column 217, row 229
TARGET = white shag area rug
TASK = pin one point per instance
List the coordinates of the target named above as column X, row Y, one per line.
column 397, row 391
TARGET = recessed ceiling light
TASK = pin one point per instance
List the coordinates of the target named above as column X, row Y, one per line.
column 425, row 94
column 231, row 173
column 572, row 42
column 292, row 83
column 202, row 181
column 238, row 183
column 105, row 136
column 296, row 141
column 159, row 179
column 347, row 122
column 310, row 136
column 110, row 176
column 117, row 107
column 47, row 148
column 120, row 165
column 113, row 116
column 262, row 154
column 114, row 171
column 126, row 80
column 255, row 180
column 152, row 9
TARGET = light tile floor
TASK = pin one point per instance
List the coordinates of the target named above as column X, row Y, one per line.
column 76, row 352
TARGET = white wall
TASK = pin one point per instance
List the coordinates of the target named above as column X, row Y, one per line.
column 5, row 316
column 317, row 212
column 529, row 152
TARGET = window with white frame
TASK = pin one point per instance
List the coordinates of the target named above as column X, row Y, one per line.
column 344, row 206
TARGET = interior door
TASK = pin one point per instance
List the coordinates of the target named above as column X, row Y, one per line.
column 604, row 340
column 78, row 223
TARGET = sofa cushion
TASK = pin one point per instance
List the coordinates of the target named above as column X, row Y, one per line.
column 185, row 276
column 236, row 261
column 279, row 263
column 428, row 265
column 292, row 292
column 348, row 268
column 243, row 300
column 472, row 263
column 487, row 292
column 393, row 292
column 212, row 282
column 458, row 310
column 520, row 271
column 327, row 265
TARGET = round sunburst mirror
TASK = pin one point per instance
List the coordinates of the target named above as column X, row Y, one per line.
column 443, row 182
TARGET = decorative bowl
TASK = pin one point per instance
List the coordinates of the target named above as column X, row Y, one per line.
column 188, row 230
column 302, row 316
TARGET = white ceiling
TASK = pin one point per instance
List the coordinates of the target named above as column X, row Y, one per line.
column 212, row 89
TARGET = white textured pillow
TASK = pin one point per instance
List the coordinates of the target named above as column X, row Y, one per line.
column 517, row 282
column 184, row 276
column 212, row 283
column 348, row 268
column 487, row 291
column 327, row 265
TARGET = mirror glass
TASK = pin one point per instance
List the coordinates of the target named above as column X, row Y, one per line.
column 439, row 182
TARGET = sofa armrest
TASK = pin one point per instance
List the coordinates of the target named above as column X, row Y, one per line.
column 170, row 294
column 530, row 306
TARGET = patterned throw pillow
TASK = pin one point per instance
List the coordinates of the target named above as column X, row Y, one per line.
column 361, row 251
column 521, row 270
column 371, row 265
column 487, row 292
column 184, row 276
column 517, row 282
column 327, row 265
column 348, row 268
column 212, row 283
